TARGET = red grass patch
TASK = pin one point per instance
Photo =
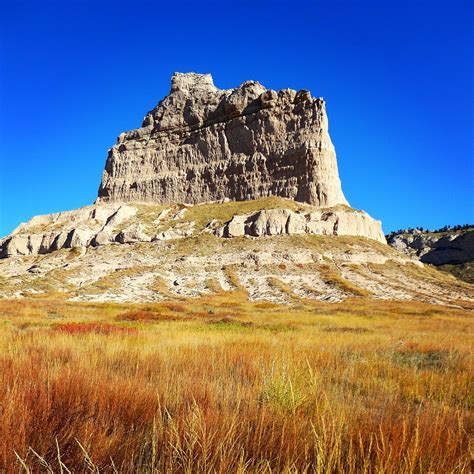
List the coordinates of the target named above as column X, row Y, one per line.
column 96, row 328
column 175, row 307
column 140, row 315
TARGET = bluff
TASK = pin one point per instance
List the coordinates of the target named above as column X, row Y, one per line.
column 203, row 144
column 219, row 190
column 262, row 159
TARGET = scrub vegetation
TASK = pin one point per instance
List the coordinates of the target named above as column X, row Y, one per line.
column 223, row 384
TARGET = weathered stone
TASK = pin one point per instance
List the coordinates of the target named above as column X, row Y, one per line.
column 268, row 222
column 296, row 224
column 78, row 237
column 34, row 243
column 162, row 215
column 117, row 216
column 201, row 144
column 321, row 223
column 358, row 223
column 180, row 214
column 15, row 245
column 235, row 227
column 285, row 221
column 172, row 234
column 134, row 233
column 104, row 237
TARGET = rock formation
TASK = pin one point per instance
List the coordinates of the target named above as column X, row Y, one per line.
column 267, row 249
column 204, row 144
column 219, row 190
column 108, row 223
column 285, row 221
column 452, row 248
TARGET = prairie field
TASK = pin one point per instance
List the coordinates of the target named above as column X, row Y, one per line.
column 222, row 384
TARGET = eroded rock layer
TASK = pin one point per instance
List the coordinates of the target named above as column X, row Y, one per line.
column 108, row 223
column 204, row 144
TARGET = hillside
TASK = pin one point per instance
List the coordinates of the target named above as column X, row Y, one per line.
column 151, row 252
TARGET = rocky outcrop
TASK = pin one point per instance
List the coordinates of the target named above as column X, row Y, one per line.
column 285, row 221
column 436, row 248
column 204, row 144
column 111, row 223
column 88, row 226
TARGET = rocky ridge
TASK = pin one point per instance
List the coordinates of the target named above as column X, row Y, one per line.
column 204, row 144
column 436, row 248
column 110, row 223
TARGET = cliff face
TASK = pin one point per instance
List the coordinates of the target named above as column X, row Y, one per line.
column 203, row 144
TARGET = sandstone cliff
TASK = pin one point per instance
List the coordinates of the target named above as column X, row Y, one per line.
column 203, row 144
column 220, row 189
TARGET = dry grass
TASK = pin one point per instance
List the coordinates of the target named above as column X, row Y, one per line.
column 151, row 316
column 332, row 277
column 202, row 214
column 112, row 280
column 160, row 286
column 221, row 384
column 213, row 285
column 233, row 279
column 95, row 328
column 283, row 287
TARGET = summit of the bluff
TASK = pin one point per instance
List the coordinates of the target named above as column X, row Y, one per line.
column 204, row 144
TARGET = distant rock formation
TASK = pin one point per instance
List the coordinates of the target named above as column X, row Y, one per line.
column 436, row 248
column 204, row 144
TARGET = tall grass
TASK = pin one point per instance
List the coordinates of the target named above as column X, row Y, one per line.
column 361, row 386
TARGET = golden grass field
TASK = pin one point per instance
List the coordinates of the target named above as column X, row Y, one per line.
column 221, row 384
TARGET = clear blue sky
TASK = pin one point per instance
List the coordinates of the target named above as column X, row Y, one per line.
column 396, row 75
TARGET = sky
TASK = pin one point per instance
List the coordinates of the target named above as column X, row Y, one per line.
column 397, row 77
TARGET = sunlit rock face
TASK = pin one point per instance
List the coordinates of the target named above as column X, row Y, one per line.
column 204, row 144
